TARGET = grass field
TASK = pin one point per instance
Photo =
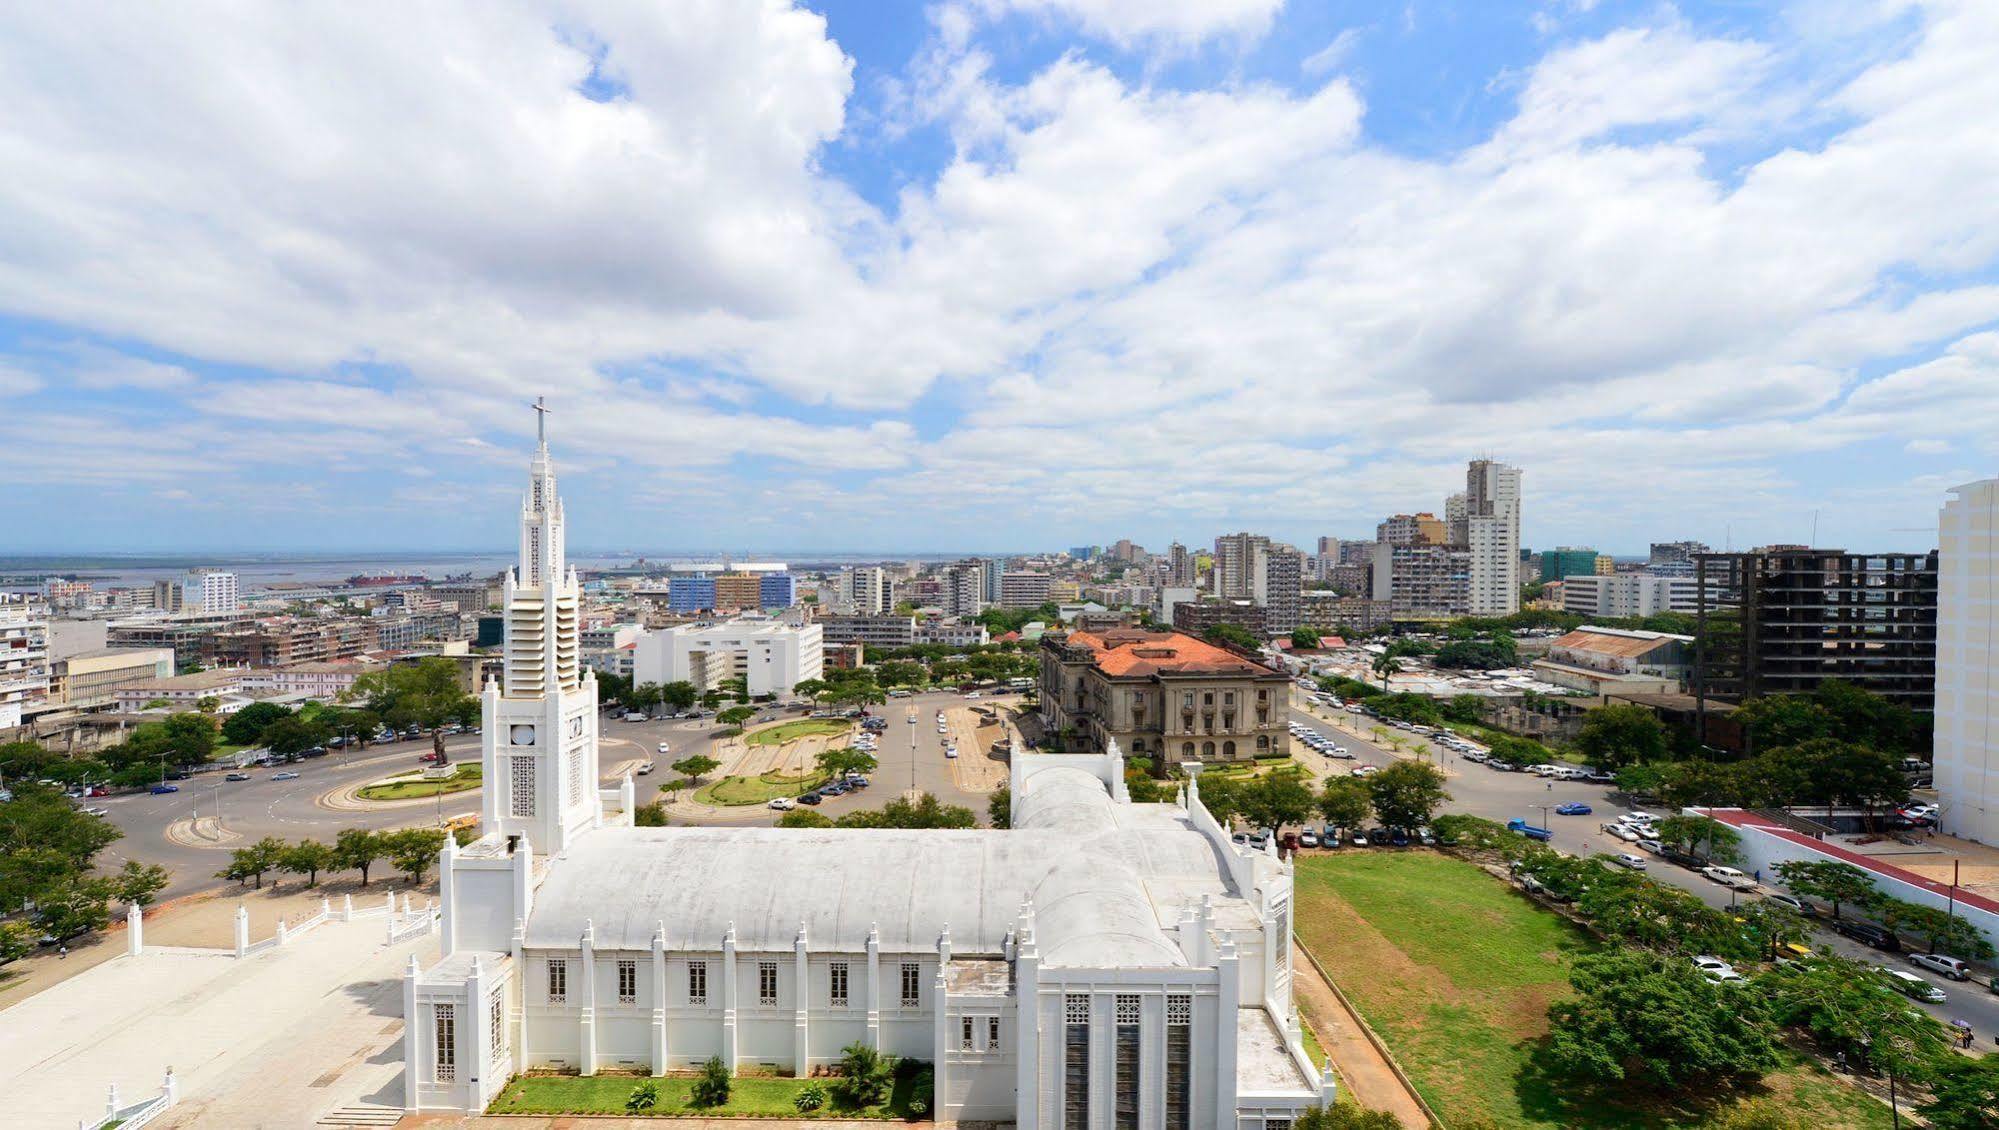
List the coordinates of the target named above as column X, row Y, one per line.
column 757, row 790
column 1455, row 970
column 605, row 1094
column 466, row 777
column 799, row 728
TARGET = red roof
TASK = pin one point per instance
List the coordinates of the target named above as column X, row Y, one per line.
column 1742, row 818
column 1138, row 653
column 1006, row 637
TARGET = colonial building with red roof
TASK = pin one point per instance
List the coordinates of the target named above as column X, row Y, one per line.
column 1161, row 694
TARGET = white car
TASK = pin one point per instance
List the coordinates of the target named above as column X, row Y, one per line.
column 1622, row 831
column 1729, row 877
column 783, row 803
column 664, row 748
column 1913, row 985
column 1365, row 770
column 644, row 768
column 1716, row 970
column 1635, row 862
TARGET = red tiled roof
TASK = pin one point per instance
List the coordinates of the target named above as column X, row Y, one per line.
column 1741, row 818
column 1136, row 652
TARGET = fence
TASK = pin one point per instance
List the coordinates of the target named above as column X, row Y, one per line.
column 137, row 1114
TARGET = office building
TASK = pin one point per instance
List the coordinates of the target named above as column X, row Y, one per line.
column 778, row 591
column 769, row 655
column 1025, row 590
column 738, row 592
column 1782, row 621
column 90, row 680
column 1492, row 509
column 169, row 596
column 952, row 633
column 1628, row 594
column 218, row 591
column 866, row 591
column 1567, row 561
column 886, row 632
column 1965, row 756
column 24, row 660
column 1162, row 694
column 691, row 592
column 1420, row 581
column 1180, row 569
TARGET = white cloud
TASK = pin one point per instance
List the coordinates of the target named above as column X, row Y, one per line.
column 1328, row 58
column 1135, row 22
column 16, row 381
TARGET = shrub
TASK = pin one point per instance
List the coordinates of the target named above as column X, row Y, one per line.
column 810, row 1099
column 865, row 1074
column 645, row 1096
column 712, row 1088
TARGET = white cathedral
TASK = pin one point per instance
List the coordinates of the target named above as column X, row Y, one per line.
column 1099, row 964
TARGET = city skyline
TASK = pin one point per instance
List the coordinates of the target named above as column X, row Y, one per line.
column 991, row 275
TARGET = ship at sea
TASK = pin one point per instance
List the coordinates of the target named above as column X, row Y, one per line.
column 378, row 580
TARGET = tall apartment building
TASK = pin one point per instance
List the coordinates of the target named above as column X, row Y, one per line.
column 169, row 596
column 1235, row 563
column 1782, row 621
column 738, row 592
column 1025, row 590
column 964, row 588
column 778, row 590
column 1457, row 519
column 1422, row 582
column 1567, row 561
column 1965, row 756
column 1422, row 528
column 218, row 591
column 1492, row 519
column 1629, row 594
column 24, row 660
column 1675, row 553
column 866, row 591
column 1180, row 570
column 1277, row 580
column 883, row 631
column 691, row 592
column 991, row 572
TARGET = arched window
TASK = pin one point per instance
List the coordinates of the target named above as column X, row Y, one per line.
column 1207, row 749
column 1263, row 741
column 1187, row 749
column 1228, row 749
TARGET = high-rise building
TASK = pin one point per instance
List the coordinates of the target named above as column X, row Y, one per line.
column 1457, row 519
column 991, row 569
column 24, row 659
column 1422, row 582
column 169, row 596
column 218, row 591
column 1782, row 621
column 866, row 591
column 1025, row 590
column 1492, row 520
column 1180, row 569
column 735, row 592
column 1965, row 756
column 1567, row 561
column 1235, row 560
column 964, row 588
column 1277, row 582
column 1628, row 594
column 691, row 592
column 1422, row 528
column 778, row 590
column 540, row 719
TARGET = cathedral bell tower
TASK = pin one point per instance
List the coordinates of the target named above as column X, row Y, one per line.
column 540, row 733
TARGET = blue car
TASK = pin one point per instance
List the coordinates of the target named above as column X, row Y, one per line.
column 1573, row 808
column 163, row 787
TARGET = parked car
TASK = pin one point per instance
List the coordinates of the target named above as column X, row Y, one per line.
column 1651, row 845
column 163, row 787
column 98, row 810
column 1360, row 837
column 1573, row 808
column 1868, row 934
column 1623, row 832
column 1728, row 877
column 1791, row 901
column 1951, row 967
column 1365, row 770
column 1716, row 970
column 1308, row 838
column 1635, row 862
column 783, row 803
column 809, row 798
column 1911, row 985
column 635, row 716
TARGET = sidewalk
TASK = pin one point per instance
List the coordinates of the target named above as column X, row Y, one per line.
column 1369, row 1078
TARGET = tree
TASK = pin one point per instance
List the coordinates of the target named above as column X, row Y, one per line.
column 74, row 904
column 1849, row 1008
column 865, row 1075
column 1621, row 734
column 1723, row 843
column 651, row 815
column 695, row 767
column 246, row 726
column 925, row 812
column 1964, row 1094
column 1841, row 884
column 679, row 694
column 1346, row 1116
column 1346, row 802
column 1386, row 666
column 1276, row 799
column 424, row 694
column 358, row 849
column 809, row 689
column 189, row 738
column 308, row 858
column 1305, row 639
column 17, row 940
column 804, row 818
column 735, row 716
column 1406, row 793
column 250, row 863
column 1655, row 915
column 138, row 882
column 999, row 808
column 289, row 735
column 711, row 1087
column 840, row 762
column 413, row 850
column 1232, row 634
column 1612, row 1032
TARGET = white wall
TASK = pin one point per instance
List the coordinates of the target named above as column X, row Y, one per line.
column 1966, row 749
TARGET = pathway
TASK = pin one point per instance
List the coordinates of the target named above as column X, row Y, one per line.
column 1370, row 1079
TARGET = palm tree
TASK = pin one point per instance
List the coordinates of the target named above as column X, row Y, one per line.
column 1386, row 665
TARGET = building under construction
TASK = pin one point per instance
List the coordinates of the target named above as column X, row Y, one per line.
column 1783, row 620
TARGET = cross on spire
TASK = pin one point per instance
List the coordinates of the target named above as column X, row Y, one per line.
column 541, row 419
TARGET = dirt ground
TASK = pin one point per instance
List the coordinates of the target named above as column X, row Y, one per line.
column 203, row 921
column 793, row 757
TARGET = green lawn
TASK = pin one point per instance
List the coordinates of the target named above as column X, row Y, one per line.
column 758, row 790
column 1455, row 970
column 467, row 777
column 751, row 1096
column 799, row 728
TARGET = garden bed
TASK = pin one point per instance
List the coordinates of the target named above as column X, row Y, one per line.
column 799, row 728
column 762, row 789
column 749, row 1097
column 466, row 776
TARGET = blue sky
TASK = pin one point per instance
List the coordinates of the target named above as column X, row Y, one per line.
column 995, row 274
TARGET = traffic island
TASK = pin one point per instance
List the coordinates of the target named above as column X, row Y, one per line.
column 422, row 784
column 732, row 792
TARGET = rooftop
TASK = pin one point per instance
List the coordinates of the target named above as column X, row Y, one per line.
column 1617, row 641
column 1138, row 653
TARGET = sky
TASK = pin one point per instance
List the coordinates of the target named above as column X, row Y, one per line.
column 992, row 275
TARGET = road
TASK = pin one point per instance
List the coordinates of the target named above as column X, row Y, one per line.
column 293, row 810
column 1481, row 791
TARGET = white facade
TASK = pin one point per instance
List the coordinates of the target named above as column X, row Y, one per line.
column 863, row 592
column 1966, row 749
column 770, row 655
column 218, row 592
column 1492, row 534
column 1628, row 594
column 1098, row 961
column 24, row 660
column 965, row 588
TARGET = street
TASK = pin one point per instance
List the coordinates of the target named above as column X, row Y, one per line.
column 1481, row 791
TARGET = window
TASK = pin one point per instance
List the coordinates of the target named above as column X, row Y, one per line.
column 1179, row 1061
column 574, row 763
column 497, row 1024
column 520, row 785
column 912, row 985
column 558, row 981
column 992, row 1034
column 1207, row 749
column 1076, row 1062
column 1208, row 698
column 1263, row 741
column 1187, row 749
column 1187, row 701
column 836, row 979
column 767, row 983
column 444, row 1031
column 628, row 982
column 1228, row 698
column 965, row 1034
column 697, row 982
column 1276, row 1124
column 1124, row 1107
